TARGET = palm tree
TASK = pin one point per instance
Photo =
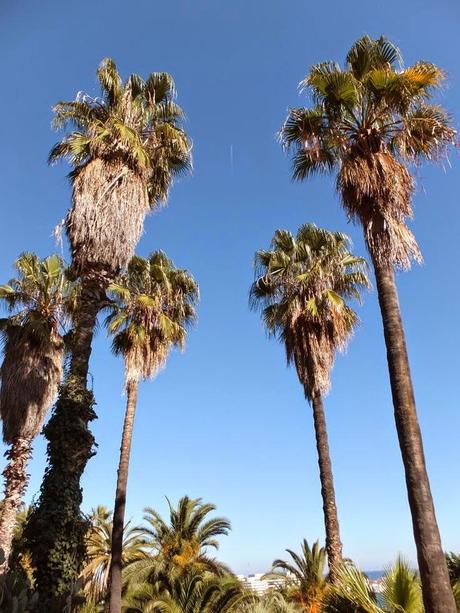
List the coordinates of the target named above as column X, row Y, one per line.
column 453, row 566
column 367, row 122
column 20, row 562
column 33, row 350
column 125, row 149
column 191, row 592
column 151, row 306
column 16, row 594
column 95, row 573
column 401, row 591
column 301, row 287
column 271, row 602
column 181, row 544
column 306, row 584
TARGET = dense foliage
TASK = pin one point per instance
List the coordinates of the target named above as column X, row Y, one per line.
column 167, row 569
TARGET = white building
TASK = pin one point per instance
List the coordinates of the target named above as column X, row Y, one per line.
column 259, row 585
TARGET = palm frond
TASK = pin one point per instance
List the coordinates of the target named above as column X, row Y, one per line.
column 301, row 288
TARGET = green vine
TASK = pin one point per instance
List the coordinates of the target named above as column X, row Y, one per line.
column 55, row 532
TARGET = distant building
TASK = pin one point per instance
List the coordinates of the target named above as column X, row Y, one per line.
column 259, row 585
column 376, row 585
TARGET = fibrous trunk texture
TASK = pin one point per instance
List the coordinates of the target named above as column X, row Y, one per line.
column 105, row 223
column 31, row 373
column 116, row 564
column 56, row 530
column 16, row 479
column 376, row 190
column 437, row 593
column 331, row 520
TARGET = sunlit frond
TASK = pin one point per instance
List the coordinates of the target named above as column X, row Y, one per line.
column 149, row 311
column 366, row 121
column 301, row 288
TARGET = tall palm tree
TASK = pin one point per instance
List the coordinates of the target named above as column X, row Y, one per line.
column 302, row 286
column 367, row 122
column 125, row 148
column 33, row 350
column 306, row 584
column 150, row 310
column 95, row 573
column 181, row 544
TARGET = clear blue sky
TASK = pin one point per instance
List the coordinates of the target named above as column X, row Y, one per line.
column 227, row 420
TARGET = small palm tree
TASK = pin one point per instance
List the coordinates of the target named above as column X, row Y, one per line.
column 33, row 350
column 151, row 307
column 192, row 592
column 453, row 566
column 302, row 286
column 20, row 562
column 16, row 594
column 272, row 602
column 401, row 591
column 181, row 544
column 125, row 148
column 367, row 122
column 95, row 574
column 305, row 580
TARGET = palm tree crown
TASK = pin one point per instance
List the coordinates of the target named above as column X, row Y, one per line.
column 125, row 148
column 302, row 286
column 401, row 591
column 191, row 592
column 96, row 571
column 40, row 300
column 367, row 121
column 184, row 540
column 150, row 310
column 307, row 583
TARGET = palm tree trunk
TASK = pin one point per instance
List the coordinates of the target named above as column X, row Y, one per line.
column 16, row 479
column 331, row 520
column 437, row 593
column 120, row 500
column 56, row 520
column 91, row 300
